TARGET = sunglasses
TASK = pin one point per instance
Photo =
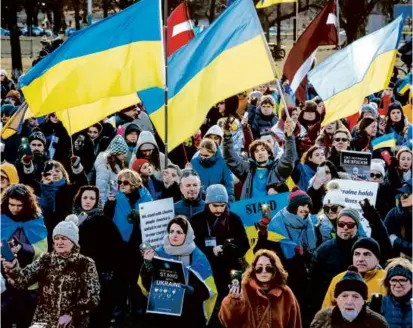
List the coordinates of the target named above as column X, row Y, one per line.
column 405, row 195
column 268, row 269
column 124, row 182
column 333, row 209
column 349, row 225
column 401, row 282
column 340, row 139
column 375, row 175
column 220, row 103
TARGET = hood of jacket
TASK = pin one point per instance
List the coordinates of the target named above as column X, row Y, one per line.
column 146, row 137
column 130, row 127
column 215, row 129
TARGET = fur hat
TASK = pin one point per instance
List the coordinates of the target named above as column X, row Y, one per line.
column 369, row 108
column 68, row 228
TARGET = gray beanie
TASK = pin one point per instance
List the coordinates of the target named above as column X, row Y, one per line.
column 350, row 212
column 368, row 108
column 216, row 194
column 68, row 228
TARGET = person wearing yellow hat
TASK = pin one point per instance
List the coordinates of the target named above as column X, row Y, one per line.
column 9, row 175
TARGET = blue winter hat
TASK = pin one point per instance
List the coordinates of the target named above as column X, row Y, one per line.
column 216, row 194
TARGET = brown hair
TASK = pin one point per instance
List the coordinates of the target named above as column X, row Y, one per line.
column 280, row 278
column 391, row 264
column 25, row 194
column 401, row 151
column 133, row 177
column 345, row 131
column 267, row 100
column 209, row 145
column 57, row 165
column 309, row 153
column 113, row 160
column 254, row 145
column 179, row 220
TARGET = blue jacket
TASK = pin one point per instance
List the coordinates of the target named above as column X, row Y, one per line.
column 397, row 312
column 399, row 222
column 189, row 209
column 214, row 170
column 302, row 174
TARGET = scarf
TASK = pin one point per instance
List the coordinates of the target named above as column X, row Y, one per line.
column 122, row 211
column 35, row 229
column 96, row 211
column 48, row 195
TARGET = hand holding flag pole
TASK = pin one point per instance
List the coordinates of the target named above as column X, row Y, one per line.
column 281, row 93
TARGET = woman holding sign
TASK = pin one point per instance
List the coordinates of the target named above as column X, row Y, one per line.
column 263, row 299
column 200, row 290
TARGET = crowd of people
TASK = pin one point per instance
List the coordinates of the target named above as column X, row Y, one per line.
column 70, row 216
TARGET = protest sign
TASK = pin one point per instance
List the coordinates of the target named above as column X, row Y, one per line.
column 166, row 295
column 356, row 191
column 356, row 163
column 249, row 211
column 154, row 218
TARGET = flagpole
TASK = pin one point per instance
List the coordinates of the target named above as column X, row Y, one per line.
column 165, row 42
column 338, row 23
column 296, row 22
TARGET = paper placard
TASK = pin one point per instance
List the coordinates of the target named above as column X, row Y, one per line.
column 356, row 191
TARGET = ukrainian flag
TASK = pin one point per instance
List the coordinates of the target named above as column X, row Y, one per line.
column 15, row 123
column 115, row 57
column 388, row 140
column 362, row 68
column 406, row 84
column 227, row 58
column 268, row 3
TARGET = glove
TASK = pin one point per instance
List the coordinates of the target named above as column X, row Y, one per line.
column 75, row 162
column 369, row 211
column 27, row 160
column 189, row 290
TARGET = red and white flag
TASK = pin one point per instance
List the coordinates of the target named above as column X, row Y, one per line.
column 322, row 31
column 179, row 28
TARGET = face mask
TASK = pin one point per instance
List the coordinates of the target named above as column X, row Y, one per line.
column 349, row 315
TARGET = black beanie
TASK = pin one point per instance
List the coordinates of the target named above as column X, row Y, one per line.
column 365, row 122
column 352, row 281
column 37, row 135
column 370, row 244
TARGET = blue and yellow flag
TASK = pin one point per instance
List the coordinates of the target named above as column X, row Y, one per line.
column 268, row 3
column 229, row 57
column 15, row 123
column 406, row 84
column 116, row 57
column 388, row 140
column 364, row 67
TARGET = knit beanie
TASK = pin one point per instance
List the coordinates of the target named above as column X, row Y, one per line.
column 68, row 228
column 138, row 163
column 118, row 146
column 10, row 171
column 350, row 212
column 351, row 281
column 298, row 198
column 365, row 122
column 368, row 243
column 132, row 127
column 334, row 195
column 231, row 105
column 216, row 194
column 377, row 167
column 399, row 270
column 37, row 135
column 369, row 109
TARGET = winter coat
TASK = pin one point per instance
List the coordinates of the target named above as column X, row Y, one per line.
column 6, row 86
column 276, row 308
column 279, row 171
column 172, row 192
column 302, row 174
column 214, row 170
column 154, row 187
column 228, row 226
column 147, row 137
column 68, row 285
column 396, row 310
column 399, row 226
column 331, row 318
column 104, row 176
column 373, row 278
column 327, row 228
column 189, row 208
column 33, row 175
column 126, row 130
column 262, row 124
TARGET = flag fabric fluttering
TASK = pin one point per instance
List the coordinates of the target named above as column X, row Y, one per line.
column 179, row 28
column 15, row 123
column 213, row 66
column 388, row 140
column 96, row 63
column 406, row 84
column 322, row 31
column 267, row 3
column 361, row 69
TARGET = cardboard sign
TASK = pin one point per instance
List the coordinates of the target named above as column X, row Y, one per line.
column 166, row 295
column 356, row 164
column 154, row 217
column 250, row 212
column 356, row 191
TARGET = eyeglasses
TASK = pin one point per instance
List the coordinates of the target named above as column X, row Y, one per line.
column 268, row 269
column 333, row 209
column 341, row 139
column 405, row 195
column 401, row 281
column 124, row 182
column 349, row 225
column 376, row 175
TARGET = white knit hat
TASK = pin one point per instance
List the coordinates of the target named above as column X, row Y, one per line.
column 377, row 167
column 334, row 195
column 68, row 228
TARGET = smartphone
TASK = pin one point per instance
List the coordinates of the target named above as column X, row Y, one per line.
column 386, row 157
column 321, row 173
column 113, row 187
column 82, row 217
column 235, row 277
column 6, row 252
